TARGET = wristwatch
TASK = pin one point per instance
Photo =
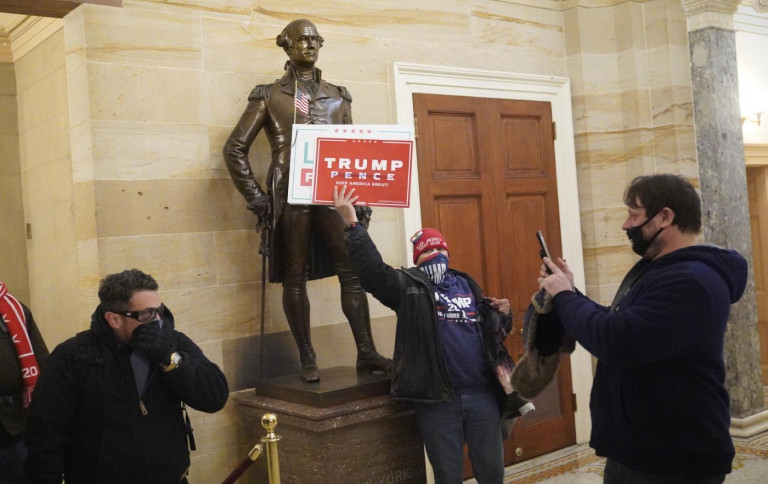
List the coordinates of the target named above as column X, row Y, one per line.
column 174, row 363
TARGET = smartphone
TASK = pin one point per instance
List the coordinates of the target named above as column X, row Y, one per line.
column 543, row 251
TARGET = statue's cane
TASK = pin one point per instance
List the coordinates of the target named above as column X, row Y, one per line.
column 264, row 249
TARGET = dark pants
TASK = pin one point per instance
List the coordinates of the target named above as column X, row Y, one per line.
column 616, row 473
column 12, row 463
column 445, row 427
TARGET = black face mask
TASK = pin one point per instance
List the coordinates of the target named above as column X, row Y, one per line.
column 635, row 235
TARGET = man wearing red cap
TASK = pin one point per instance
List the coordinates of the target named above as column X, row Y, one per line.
column 449, row 358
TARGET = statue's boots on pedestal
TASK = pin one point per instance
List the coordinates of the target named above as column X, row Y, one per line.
column 369, row 360
column 309, row 372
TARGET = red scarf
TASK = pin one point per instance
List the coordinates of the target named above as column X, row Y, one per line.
column 13, row 316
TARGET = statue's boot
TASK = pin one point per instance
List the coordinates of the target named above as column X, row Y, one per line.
column 369, row 360
column 309, row 372
column 296, row 308
column 356, row 310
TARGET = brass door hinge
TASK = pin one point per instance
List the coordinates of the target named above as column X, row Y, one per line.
column 415, row 127
column 554, row 130
column 575, row 407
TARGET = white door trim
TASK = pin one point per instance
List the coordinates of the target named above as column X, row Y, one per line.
column 408, row 79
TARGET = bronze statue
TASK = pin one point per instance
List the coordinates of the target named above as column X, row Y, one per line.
column 304, row 242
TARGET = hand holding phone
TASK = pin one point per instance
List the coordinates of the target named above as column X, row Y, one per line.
column 543, row 251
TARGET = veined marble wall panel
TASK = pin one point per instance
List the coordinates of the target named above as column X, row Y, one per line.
column 443, row 22
column 524, row 31
column 612, row 112
column 672, row 105
column 245, row 44
column 141, row 37
column 199, row 7
column 633, row 115
column 665, row 24
column 605, row 268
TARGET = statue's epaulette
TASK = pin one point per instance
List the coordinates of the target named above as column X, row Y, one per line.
column 259, row 92
column 345, row 95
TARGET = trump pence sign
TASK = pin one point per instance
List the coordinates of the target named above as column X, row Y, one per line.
column 375, row 160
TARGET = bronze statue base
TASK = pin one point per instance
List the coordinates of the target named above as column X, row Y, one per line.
column 346, row 429
column 342, row 384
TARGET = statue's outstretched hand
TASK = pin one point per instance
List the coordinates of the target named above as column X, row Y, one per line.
column 261, row 207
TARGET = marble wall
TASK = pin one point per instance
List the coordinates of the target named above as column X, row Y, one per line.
column 633, row 115
column 46, row 169
column 13, row 263
column 125, row 112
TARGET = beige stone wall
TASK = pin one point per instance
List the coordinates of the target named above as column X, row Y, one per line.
column 124, row 114
column 46, row 172
column 633, row 115
column 13, row 262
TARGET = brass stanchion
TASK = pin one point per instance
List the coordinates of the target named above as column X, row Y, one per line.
column 269, row 422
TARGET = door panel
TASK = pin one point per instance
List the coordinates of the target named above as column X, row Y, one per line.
column 757, row 188
column 487, row 181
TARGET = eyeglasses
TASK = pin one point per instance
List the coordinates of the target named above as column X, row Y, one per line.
column 144, row 315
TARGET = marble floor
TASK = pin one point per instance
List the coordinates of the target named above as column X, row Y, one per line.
column 579, row 464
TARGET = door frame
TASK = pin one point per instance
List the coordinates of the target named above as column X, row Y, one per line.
column 408, row 79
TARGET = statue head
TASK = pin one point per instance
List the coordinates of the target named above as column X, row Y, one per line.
column 300, row 40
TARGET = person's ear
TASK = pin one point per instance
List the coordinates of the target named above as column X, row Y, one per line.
column 113, row 320
column 667, row 217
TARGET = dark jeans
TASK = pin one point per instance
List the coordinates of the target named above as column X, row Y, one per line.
column 445, row 427
column 616, row 473
column 12, row 463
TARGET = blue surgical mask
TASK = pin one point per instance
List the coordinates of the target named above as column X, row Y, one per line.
column 435, row 267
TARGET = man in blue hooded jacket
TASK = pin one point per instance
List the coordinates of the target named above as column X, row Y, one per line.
column 660, row 409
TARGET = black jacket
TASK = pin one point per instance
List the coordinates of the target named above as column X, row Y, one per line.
column 87, row 422
column 419, row 372
column 12, row 415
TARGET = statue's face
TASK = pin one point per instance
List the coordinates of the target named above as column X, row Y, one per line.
column 305, row 44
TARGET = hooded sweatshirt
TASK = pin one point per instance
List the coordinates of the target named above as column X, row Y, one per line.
column 659, row 402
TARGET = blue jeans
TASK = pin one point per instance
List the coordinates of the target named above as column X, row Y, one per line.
column 12, row 463
column 616, row 473
column 445, row 427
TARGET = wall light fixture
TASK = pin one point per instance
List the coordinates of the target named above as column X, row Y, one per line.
column 755, row 120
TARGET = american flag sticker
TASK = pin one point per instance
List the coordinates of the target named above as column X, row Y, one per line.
column 301, row 101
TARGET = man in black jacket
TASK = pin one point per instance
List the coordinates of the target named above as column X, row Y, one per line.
column 22, row 354
column 110, row 405
column 446, row 360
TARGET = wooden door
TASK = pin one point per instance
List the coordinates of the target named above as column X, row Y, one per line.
column 757, row 188
column 487, row 182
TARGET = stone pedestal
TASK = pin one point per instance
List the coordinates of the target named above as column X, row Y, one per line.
column 345, row 429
